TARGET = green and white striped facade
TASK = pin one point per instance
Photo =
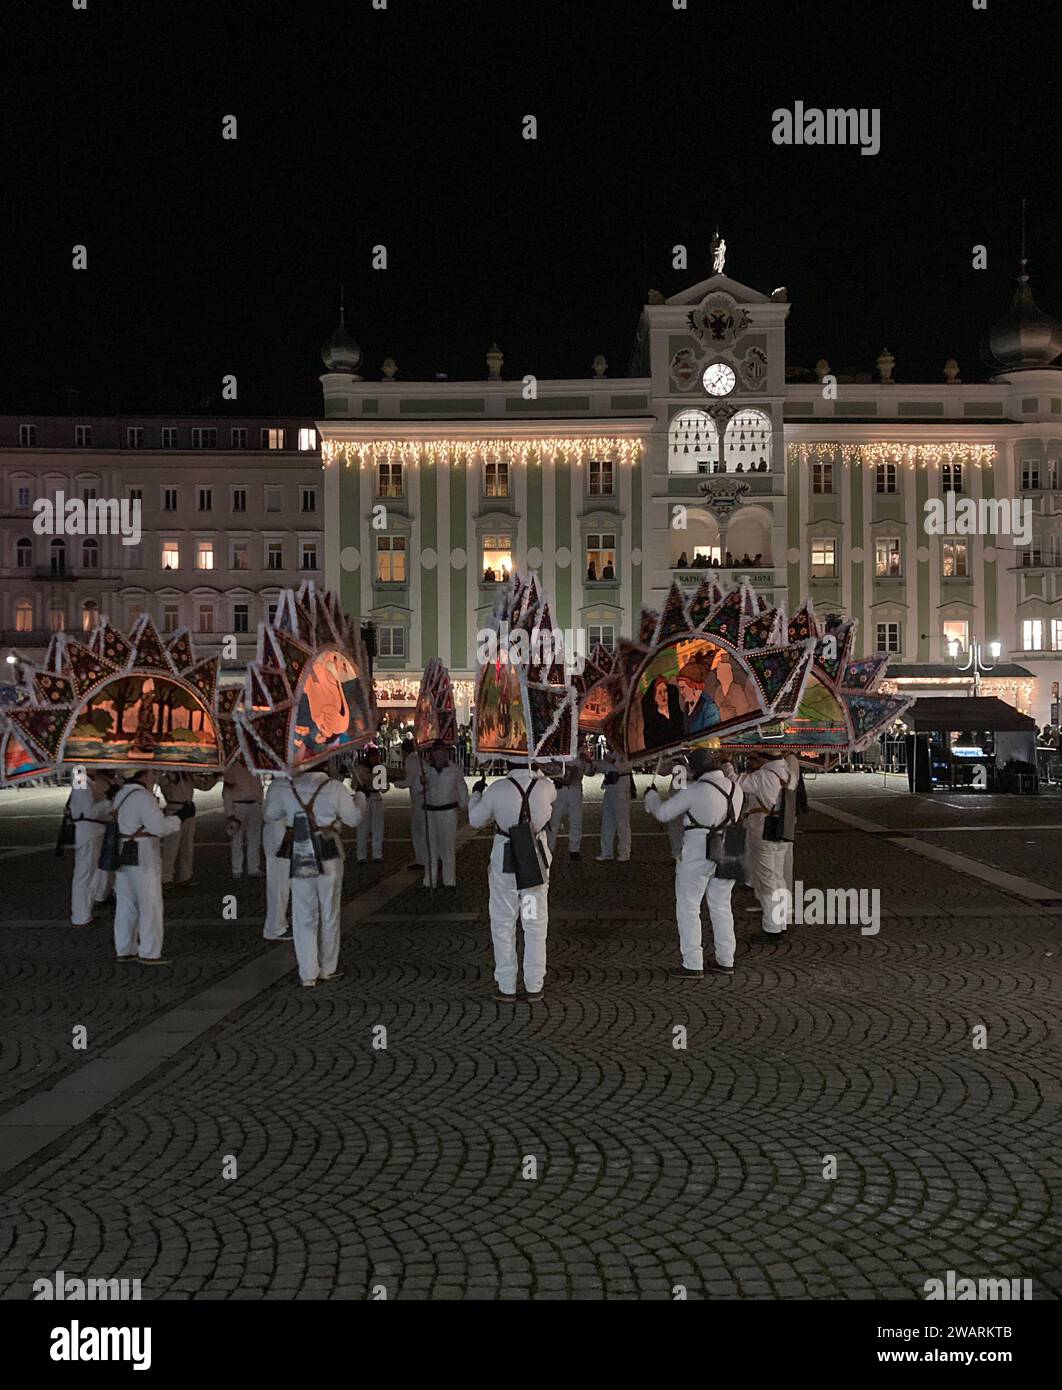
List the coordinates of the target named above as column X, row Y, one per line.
column 1008, row 434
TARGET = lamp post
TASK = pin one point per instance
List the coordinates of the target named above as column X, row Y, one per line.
column 975, row 661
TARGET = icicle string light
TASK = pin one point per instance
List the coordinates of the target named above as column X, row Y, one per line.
column 615, row 449
column 823, row 451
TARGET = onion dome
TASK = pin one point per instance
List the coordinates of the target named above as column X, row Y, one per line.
column 341, row 353
column 1024, row 337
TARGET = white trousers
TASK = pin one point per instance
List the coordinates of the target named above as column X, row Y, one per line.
column 675, row 836
column 178, row 851
column 89, row 884
column 315, row 904
column 418, row 831
column 278, row 882
column 510, row 906
column 767, row 863
column 569, row 803
column 372, row 820
column 695, row 881
column 245, row 838
column 138, row 915
column 615, row 824
column 442, row 849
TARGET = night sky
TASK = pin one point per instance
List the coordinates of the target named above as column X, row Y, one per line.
column 403, row 127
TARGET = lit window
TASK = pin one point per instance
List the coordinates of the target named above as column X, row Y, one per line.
column 308, row 499
column 239, row 499
column 603, row 635
column 951, row 477
column 134, row 437
column 956, row 636
column 823, row 557
column 887, row 557
column 887, row 637
column 204, row 555
column 274, row 555
column 89, row 613
column 1056, row 634
column 82, row 440
column 171, row 617
column 821, row 476
column 171, row 555
column 693, row 444
column 169, row 436
column 389, row 479
column 496, row 478
column 27, row 436
column 206, row 499
column 308, row 555
column 204, row 437
column 601, row 556
column 391, row 559
column 747, row 443
column 955, row 559
column 391, row 641
column 497, row 559
column 241, row 617
column 57, row 620
column 24, row 616
column 206, row 618
column 23, row 553
column 136, row 611
column 602, row 482
column 240, row 558
column 885, row 477
column 1032, row 635
column 1030, row 476
column 169, row 499
column 272, row 439
column 274, row 499
column 307, row 440
column 238, row 437
column 90, row 554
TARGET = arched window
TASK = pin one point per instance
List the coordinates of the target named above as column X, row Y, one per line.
column 90, row 554
column 57, row 619
column 89, row 613
column 23, row 553
column 693, row 443
column 747, row 443
column 24, row 615
column 58, row 554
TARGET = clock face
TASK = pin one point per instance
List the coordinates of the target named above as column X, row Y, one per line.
column 719, row 379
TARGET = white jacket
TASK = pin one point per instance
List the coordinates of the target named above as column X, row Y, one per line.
column 333, row 805
column 445, row 785
column 501, row 802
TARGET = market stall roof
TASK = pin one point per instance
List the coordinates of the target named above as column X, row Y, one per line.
column 970, row 715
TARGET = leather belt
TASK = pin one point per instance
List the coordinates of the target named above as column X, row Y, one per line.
column 450, row 806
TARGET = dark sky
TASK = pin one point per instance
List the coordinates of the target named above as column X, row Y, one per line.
column 403, row 127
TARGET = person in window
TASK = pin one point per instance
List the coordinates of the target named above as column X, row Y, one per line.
column 608, row 572
column 715, row 562
column 591, row 572
column 488, row 575
column 683, row 562
column 746, row 560
column 757, row 558
column 728, row 560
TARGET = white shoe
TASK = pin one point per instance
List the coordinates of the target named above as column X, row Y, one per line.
column 309, row 984
column 604, row 856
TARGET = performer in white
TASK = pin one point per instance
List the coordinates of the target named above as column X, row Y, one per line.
column 241, row 797
column 138, row 918
column 178, row 851
column 90, row 809
column 767, row 862
column 413, row 778
column 569, row 803
column 445, row 794
column 528, row 795
column 615, row 806
column 372, row 823
column 709, row 796
column 278, row 876
column 316, row 901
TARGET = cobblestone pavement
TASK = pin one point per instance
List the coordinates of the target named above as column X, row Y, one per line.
column 570, row 1149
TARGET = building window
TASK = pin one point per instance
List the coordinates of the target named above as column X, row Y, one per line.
column 600, row 556
column 821, row 476
column 308, row 499
column 271, row 612
column 171, row 617
column 27, row 436
column 391, row 641
column 169, row 499
column 24, row 616
column 497, row 559
column 496, row 478
column 823, row 558
column 885, row 477
column 204, row 437
column 204, row 555
column 239, row 499
column 389, row 479
column 90, row 612
column 88, row 494
column 23, row 553
column 22, row 498
column 171, row 555
column 955, row 557
column 134, row 436
column 274, row 555
column 57, row 619
column 90, row 553
column 206, row 617
column 239, row 558
column 274, row 499
column 136, row 612
column 602, row 478
column 951, row 477
column 241, row 617
column 169, row 436
column 82, row 439
column 956, row 636
column 1056, row 634
column 307, row 440
column 887, row 638
column 600, row 635
column 887, row 557
column 1032, row 635
column 1030, row 476
column 57, row 558
column 308, row 555
column 1031, row 557
column 134, row 556
column 205, row 499
column 1053, row 474
column 238, row 437
column 391, row 559
column 136, row 494
column 272, row 439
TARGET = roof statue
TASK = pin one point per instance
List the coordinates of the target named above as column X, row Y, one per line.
column 718, row 249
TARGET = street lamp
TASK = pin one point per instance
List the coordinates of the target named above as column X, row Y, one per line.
column 976, row 662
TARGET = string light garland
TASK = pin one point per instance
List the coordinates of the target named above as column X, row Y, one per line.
column 405, row 691
column 1020, row 690
column 957, row 451
column 410, row 452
